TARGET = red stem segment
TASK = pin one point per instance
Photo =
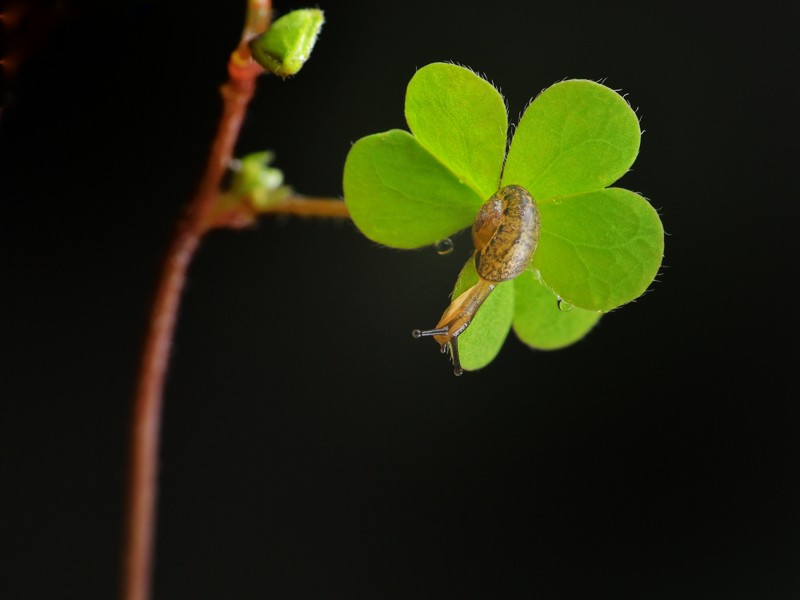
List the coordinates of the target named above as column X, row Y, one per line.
column 140, row 522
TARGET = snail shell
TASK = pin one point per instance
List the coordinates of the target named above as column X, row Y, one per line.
column 505, row 234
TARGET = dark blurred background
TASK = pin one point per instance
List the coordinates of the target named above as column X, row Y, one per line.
column 311, row 447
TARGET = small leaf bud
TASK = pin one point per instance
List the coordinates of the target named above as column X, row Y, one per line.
column 285, row 47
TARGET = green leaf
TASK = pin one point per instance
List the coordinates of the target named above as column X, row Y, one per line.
column 286, row 46
column 462, row 120
column 538, row 320
column 599, row 250
column 599, row 247
column 480, row 343
column 576, row 136
column 399, row 195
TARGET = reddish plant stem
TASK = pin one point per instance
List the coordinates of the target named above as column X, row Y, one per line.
column 239, row 212
column 305, row 206
column 146, row 422
column 140, row 523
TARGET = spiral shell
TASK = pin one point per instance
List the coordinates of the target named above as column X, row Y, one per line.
column 505, row 234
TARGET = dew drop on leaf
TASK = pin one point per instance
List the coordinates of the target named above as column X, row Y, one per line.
column 563, row 305
column 444, row 247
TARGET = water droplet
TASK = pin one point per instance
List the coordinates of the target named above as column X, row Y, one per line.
column 416, row 334
column 444, row 247
column 458, row 371
column 563, row 305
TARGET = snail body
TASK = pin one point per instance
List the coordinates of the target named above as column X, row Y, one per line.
column 505, row 234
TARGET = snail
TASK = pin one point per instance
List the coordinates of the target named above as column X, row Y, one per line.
column 505, row 234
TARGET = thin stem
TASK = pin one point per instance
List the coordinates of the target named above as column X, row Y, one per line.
column 239, row 211
column 146, row 420
column 305, row 206
column 139, row 535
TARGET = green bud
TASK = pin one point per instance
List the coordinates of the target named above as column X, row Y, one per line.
column 285, row 47
column 255, row 179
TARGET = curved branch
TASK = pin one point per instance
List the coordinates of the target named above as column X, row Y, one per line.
column 140, row 523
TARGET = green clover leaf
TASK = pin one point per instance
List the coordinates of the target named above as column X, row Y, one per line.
column 599, row 247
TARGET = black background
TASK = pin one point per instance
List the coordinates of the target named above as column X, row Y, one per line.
column 311, row 447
